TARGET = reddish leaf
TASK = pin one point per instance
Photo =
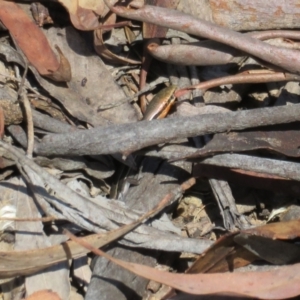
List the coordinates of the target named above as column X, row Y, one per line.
column 84, row 14
column 280, row 230
column 30, row 39
column 224, row 255
column 43, row 295
column 283, row 282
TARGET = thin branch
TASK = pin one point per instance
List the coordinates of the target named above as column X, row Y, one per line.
column 124, row 138
column 285, row 58
column 45, row 219
column 144, row 90
column 283, row 169
column 30, row 126
column 20, row 81
column 245, row 77
column 2, row 122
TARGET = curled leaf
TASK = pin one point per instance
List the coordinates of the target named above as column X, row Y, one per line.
column 63, row 73
column 84, row 14
column 103, row 51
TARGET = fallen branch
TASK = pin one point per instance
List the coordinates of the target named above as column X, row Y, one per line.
column 283, row 169
column 135, row 136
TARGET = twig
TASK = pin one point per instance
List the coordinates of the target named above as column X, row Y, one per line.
column 45, row 219
column 245, row 77
column 116, row 234
column 135, row 136
column 21, row 86
column 146, row 89
column 208, row 52
column 19, row 81
column 1, row 123
column 50, row 124
column 284, row 169
column 232, row 219
column 285, row 58
column 272, row 34
column 30, row 126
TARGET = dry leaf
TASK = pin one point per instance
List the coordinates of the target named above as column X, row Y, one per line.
column 43, row 295
column 63, row 73
column 283, row 282
column 15, row 263
column 241, row 248
column 103, row 51
column 224, row 255
column 280, row 230
column 85, row 14
column 30, row 39
column 82, row 101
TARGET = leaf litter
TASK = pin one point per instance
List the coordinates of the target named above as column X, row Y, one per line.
column 95, row 167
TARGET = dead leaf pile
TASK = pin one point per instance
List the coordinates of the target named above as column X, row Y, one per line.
column 202, row 203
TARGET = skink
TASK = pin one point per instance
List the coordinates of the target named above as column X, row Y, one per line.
column 160, row 105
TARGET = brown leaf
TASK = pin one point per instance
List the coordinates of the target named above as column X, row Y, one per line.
column 100, row 46
column 283, row 282
column 15, row 263
column 104, row 52
column 239, row 249
column 43, row 295
column 85, row 14
column 224, row 255
column 82, row 101
column 29, row 38
column 279, row 230
column 63, row 73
